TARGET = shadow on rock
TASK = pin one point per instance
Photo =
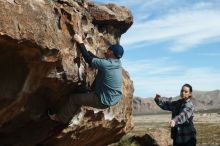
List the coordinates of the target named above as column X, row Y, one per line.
column 145, row 140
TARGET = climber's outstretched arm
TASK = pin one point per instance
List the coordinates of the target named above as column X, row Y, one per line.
column 86, row 55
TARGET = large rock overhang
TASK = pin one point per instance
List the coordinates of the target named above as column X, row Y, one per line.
column 30, row 84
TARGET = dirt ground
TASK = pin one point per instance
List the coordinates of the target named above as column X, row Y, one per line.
column 207, row 126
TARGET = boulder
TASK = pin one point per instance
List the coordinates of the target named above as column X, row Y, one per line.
column 41, row 66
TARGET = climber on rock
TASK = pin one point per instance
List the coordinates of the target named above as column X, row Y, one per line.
column 107, row 85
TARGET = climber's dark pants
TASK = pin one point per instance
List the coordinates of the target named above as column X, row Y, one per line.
column 77, row 100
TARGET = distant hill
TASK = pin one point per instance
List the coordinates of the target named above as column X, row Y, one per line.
column 203, row 100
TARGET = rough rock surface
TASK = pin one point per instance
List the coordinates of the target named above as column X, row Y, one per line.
column 157, row 137
column 31, row 81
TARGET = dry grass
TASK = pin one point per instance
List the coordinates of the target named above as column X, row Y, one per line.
column 207, row 126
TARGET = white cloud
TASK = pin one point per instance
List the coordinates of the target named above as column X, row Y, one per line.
column 184, row 30
column 201, row 79
column 209, row 54
column 165, row 77
column 150, row 67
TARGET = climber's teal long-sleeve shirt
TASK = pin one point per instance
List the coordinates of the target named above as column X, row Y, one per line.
column 108, row 81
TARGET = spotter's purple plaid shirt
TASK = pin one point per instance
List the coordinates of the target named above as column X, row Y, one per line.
column 182, row 114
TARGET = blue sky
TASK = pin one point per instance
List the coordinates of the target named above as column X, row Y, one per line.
column 171, row 43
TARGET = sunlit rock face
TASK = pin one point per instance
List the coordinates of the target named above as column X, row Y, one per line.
column 33, row 33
